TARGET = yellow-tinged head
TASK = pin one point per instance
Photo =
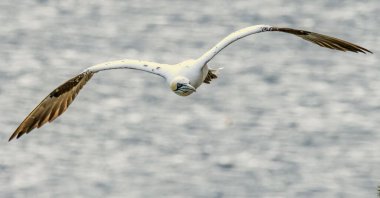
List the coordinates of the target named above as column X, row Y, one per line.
column 181, row 86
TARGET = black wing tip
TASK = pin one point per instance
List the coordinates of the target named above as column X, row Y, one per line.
column 12, row 137
column 351, row 47
column 366, row 51
column 15, row 135
column 361, row 50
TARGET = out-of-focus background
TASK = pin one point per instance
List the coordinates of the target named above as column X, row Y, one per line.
column 285, row 118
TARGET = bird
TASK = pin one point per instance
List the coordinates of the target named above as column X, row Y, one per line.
column 182, row 78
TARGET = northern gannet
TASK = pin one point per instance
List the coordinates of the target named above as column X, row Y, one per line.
column 182, row 78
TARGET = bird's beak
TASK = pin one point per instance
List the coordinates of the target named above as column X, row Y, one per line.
column 188, row 87
column 184, row 89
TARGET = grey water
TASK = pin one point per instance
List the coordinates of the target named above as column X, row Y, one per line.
column 285, row 118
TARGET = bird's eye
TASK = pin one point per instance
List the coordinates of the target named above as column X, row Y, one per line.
column 179, row 85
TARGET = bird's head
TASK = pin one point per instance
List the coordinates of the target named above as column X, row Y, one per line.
column 181, row 86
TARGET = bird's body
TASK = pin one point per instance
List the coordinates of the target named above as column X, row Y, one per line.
column 182, row 78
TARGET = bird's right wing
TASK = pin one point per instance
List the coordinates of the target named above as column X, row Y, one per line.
column 59, row 100
column 53, row 105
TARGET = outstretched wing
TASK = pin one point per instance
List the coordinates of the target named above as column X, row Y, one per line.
column 319, row 39
column 59, row 100
column 53, row 105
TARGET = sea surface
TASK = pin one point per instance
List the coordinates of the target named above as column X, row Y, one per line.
column 285, row 118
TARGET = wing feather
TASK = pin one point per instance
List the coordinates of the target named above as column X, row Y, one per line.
column 326, row 41
column 53, row 105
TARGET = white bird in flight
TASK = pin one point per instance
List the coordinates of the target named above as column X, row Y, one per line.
column 182, row 78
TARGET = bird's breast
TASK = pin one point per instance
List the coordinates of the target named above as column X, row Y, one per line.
column 196, row 76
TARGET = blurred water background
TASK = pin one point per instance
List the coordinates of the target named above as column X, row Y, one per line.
column 285, row 118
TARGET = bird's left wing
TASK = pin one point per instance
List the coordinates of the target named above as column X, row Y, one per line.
column 53, row 105
column 316, row 38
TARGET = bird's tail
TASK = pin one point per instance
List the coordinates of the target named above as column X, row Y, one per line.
column 211, row 74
